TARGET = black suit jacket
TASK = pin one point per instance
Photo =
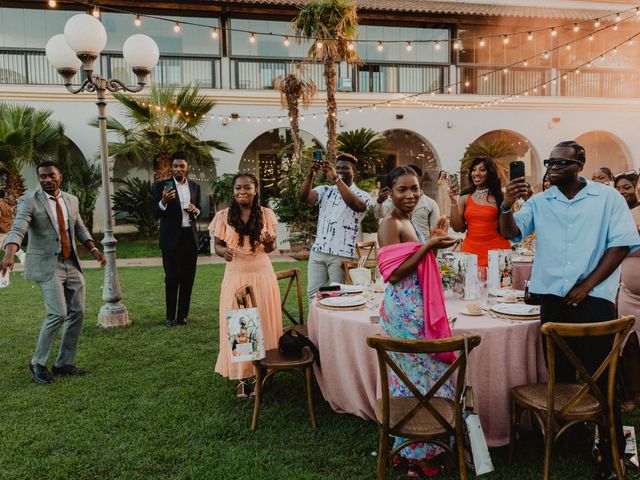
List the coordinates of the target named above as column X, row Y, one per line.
column 171, row 218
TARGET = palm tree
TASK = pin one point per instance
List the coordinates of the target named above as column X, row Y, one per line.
column 27, row 137
column 295, row 91
column 165, row 122
column 500, row 149
column 366, row 145
column 333, row 24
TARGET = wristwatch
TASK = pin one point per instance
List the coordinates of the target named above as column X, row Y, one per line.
column 337, row 179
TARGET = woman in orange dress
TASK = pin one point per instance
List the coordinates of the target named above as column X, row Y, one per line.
column 476, row 211
column 244, row 235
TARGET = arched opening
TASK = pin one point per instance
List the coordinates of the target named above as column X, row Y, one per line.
column 504, row 146
column 265, row 155
column 604, row 149
column 404, row 147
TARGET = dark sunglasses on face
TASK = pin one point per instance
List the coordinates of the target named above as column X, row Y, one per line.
column 559, row 162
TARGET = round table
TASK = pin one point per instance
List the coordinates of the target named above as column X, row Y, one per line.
column 509, row 354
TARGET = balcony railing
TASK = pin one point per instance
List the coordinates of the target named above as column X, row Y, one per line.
column 486, row 81
column 601, row 83
column 170, row 70
column 26, row 67
column 30, row 67
column 258, row 74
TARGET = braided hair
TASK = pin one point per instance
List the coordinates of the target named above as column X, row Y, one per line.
column 253, row 227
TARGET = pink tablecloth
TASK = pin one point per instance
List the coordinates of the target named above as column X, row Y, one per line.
column 510, row 354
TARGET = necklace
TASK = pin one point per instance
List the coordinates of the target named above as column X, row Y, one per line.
column 481, row 193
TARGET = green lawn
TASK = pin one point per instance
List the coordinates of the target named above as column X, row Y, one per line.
column 152, row 407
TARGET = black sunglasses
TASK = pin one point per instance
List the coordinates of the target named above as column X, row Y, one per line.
column 559, row 162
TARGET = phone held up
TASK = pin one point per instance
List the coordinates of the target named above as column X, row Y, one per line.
column 454, row 182
column 169, row 184
column 317, row 156
column 516, row 169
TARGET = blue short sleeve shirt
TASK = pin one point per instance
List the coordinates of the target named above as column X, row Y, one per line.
column 573, row 235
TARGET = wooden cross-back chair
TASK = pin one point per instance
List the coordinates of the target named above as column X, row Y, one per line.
column 568, row 404
column 275, row 362
column 422, row 417
column 297, row 319
column 368, row 250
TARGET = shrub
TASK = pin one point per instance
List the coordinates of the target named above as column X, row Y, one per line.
column 134, row 204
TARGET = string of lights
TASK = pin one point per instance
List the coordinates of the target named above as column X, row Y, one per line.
column 456, row 43
column 415, row 97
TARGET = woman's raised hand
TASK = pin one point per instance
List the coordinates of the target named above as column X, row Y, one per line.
column 442, row 241
column 267, row 239
column 442, row 228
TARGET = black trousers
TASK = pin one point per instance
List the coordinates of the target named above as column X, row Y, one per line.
column 591, row 351
column 180, row 271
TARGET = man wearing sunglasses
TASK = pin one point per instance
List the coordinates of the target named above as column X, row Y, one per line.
column 583, row 232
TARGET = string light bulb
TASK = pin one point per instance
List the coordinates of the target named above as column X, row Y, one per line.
column 96, row 11
column 568, row 47
column 214, row 33
column 530, row 36
column 286, row 41
column 591, row 37
column 576, row 27
column 52, row 3
column 545, row 55
column 554, row 32
column 176, row 27
column 630, row 42
column 637, row 10
column 615, row 28
column 618, row 17
column 505, row 39
column 526, row 64
column 350, row 46
column 409, row 46
column 437, row 45
column 597, row 23
column 457, row 45
column 252, row 37
column 380, row 46
column 482, row 42
column 137, row 21
column 319, row 44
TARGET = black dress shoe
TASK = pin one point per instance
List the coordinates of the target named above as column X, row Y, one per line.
column 68, row 370
column 182, row 321
column 169, row 323
column 40, row 374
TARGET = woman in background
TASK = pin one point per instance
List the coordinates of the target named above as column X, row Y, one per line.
column 413, row 305
column 476, row 211
column 244, row 235
column 629, row 296
column 603, row 175
column 444, row 204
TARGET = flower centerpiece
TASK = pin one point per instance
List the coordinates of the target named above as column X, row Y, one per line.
column 447, row 274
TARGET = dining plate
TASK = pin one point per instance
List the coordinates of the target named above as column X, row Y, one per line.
column 343, row 302
column 464, row 311
column 505, row 292
column 519, row 309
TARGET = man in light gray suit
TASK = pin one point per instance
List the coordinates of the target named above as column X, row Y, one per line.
column 53, row 221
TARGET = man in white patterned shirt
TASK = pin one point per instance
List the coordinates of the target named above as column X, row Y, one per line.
column 342, row 208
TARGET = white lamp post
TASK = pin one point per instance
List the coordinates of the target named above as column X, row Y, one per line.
column 83, row 40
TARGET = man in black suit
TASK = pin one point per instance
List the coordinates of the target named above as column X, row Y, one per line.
column 177, row 205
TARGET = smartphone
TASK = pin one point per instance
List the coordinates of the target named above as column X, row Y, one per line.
column 330, row 288
column 516, row 169
column 169, row 184
column 384, row 182
column 317, row 156
column 454, row 182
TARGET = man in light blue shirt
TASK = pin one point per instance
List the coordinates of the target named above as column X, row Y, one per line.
column 583, row 232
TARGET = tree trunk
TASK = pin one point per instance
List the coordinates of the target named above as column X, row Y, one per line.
column 14, row 187
column 330, row 75
column 294, row 115
column 162, row 168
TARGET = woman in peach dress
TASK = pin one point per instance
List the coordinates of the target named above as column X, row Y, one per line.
column 244, row 235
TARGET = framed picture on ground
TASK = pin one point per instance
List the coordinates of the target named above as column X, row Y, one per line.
column 246, row 342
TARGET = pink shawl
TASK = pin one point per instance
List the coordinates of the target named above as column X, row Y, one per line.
column 436, row 322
